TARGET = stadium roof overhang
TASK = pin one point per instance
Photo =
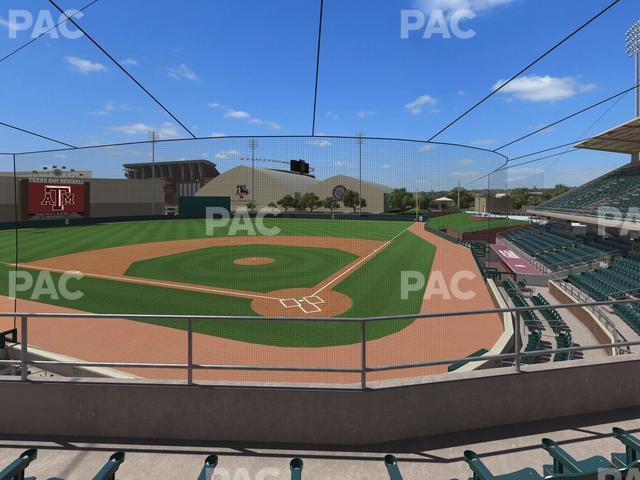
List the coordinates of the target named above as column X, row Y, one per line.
column 621, row 139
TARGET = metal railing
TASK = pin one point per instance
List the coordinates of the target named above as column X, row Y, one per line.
column 363, row 369
column 597, row 311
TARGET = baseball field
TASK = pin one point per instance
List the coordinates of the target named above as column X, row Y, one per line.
column 311, row 268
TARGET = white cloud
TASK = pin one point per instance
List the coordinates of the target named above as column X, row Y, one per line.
column 425, row 148
column 386, row 166
column 452, row 5
column 226, row 154
column 85, row 66
column 465, row 162
column 466, row 174
column 332, row 115
column 217, row 134
column 546, row 88
column 340, row 164
column 110, row 107
column 130, row 62
column 483, row 141
column 365, row 113
column 321, row 143
column 8, row 25
column 239, row 114
column 243, row 115
column 166, row 130
column 182, row 72
column 416, row 106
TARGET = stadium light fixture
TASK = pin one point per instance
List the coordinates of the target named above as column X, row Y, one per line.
column 633, row 48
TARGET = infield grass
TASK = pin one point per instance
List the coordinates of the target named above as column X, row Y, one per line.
column 293, row 267
column 374, row 287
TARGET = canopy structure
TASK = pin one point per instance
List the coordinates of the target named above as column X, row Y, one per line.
column 624, row 138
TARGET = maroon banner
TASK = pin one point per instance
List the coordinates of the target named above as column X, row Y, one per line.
column 52, row 199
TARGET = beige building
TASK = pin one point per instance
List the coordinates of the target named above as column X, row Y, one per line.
column 264, row 186
column 500, row 206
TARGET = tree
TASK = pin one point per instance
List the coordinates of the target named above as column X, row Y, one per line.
column 310, row 201
column 401, row 199
column 467, row 198
column 272, row 205
column 286, row 202
column 351, row 199
column 251, row 205
column 330, row 203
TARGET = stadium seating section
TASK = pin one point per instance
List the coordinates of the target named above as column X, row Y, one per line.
column 619, row 189
column 556, row 251
column 620, row 280
column 536, row 326
column 620, row 466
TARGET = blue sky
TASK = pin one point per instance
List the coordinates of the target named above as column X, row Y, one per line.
column 247, row 68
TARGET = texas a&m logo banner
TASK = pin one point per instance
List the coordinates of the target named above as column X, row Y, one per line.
column 56, row 199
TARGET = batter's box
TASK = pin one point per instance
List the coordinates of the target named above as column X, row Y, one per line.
column 290, row 303
column 313, row 300
column 312, row 308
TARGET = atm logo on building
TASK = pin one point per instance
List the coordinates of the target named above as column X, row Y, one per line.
column 50, row 199
column 57, row 197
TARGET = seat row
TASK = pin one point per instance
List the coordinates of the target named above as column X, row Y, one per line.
column 620, row 466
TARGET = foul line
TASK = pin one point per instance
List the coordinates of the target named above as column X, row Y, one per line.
column 359, row 262
column 144, row 281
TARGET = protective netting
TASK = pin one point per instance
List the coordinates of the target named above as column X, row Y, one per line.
column 125, row 230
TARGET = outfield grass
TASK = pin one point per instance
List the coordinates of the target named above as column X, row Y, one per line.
column 374, row 288
column 462, row 222
column 39, row 243
column 293, row 267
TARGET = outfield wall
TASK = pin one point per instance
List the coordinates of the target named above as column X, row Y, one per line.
column 108, row 198
column 102, row 410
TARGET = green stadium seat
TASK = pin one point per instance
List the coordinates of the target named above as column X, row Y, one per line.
column 210, row 464
column 392, row 467
column 108, row 471
column 563, row 463
column 15, row 470
column 296, row 465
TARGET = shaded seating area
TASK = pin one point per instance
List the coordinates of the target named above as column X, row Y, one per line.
column 557, row 251
column 618, row 466
column 619, row 189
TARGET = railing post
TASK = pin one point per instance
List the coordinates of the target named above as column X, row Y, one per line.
column 189, row 351
column 363, row 352
column 518, row 343
column 24, row 369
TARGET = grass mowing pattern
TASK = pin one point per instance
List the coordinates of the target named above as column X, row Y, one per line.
column 294, row 267
column 462, row 222
column 374, row 287
column 39, row 243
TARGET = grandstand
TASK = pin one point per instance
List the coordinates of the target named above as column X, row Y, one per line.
column 616, row 191
column 557, row 252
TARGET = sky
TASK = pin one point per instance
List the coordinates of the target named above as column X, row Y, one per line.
column 227, row 68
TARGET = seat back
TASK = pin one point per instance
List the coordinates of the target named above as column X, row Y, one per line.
column 15, row 470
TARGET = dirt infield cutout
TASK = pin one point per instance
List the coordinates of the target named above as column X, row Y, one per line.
column 249, row 261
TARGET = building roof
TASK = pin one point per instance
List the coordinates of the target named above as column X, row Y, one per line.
column 443, row 199
column 624, row 138
column 176, row 162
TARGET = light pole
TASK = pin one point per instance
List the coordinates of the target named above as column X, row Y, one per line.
column 360, row 141
column 253, row 144
column 153, row 136
column 633, row 44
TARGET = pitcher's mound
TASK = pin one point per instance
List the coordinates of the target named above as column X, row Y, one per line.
column 301, row 302
column 253, row 261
